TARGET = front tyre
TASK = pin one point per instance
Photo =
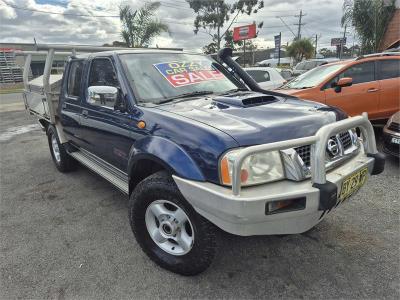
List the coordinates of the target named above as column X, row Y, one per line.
column 61, row 159
column 168, row 229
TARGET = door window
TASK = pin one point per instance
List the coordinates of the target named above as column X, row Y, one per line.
column 74, row 78
column 360, row 73
column 102, row 73
column 388, row 69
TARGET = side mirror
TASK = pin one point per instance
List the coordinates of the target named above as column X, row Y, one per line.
column 102, row 95
column 343, row 82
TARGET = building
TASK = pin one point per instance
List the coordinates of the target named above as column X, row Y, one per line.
column 391, row 38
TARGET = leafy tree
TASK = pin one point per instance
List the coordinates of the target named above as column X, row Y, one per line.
column 300, row 49
column 213, row 14
column 325, row 52
column 210, row 48
column 139, row 27
column 370, row 19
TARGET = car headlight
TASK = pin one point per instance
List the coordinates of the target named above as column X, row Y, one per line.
column 257, row 168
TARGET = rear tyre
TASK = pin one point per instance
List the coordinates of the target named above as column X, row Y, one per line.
column 168, row 229
column 63, row 161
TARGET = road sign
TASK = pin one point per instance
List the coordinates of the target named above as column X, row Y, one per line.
column 244, row 32
column 338, row 41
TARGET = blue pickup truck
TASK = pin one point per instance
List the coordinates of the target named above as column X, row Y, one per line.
column 197, row 145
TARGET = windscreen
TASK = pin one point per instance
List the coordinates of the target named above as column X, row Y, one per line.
column 313, row 77
column 160, row 76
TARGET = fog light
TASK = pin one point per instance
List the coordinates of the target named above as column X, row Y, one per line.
column 286, row 205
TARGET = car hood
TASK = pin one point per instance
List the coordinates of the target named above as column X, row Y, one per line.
column 275, row 120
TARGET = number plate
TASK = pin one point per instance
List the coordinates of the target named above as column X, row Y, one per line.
column 351, row 184
column 396, row 141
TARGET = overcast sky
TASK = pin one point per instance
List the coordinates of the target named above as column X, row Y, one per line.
column 23, row 24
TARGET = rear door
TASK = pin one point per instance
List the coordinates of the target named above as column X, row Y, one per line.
column 388, row 72
column 362, row 96
column 70, row 98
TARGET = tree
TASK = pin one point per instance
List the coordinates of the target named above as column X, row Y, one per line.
column 213, row 14
column 210, row 48
column 139, row 27
column 325, row 52
column 370, row 19
column 300, row 49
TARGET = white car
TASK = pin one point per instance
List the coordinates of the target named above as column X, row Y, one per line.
column 267, row 78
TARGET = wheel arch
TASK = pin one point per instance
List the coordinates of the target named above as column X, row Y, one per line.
column 152, row 154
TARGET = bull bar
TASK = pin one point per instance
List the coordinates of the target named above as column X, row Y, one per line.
column 318, row 145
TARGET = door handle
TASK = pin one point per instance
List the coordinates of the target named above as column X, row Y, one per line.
column 372, row 90
column 85, row 113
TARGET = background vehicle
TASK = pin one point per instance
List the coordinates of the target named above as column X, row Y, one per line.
column 309, row 64
column 267, row 78
column 275, row 62
column 196, row 147
column 370, row 83
column 391, row 135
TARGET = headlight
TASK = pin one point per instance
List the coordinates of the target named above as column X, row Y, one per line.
column 257, row 168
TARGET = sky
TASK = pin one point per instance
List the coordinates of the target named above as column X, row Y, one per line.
column 96, row 22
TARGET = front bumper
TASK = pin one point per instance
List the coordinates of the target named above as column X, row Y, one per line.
column 242, row 211
column 245, row 214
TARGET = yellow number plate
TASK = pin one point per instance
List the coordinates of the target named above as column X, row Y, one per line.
column 351, row 184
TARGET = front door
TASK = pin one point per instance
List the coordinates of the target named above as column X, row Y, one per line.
column 361, row 96
column 106, row 124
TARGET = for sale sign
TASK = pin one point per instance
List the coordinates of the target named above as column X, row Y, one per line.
column 244, row 32
column 187, row 73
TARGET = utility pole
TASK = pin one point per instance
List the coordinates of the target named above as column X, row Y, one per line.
column 300, row 16
column 316, row 44
column 342, row 43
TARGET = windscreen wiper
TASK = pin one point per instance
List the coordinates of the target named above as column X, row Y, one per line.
column 186, row 95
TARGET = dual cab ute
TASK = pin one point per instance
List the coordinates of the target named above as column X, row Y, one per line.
column 197, row 145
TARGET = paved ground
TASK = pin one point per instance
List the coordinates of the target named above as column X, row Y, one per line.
column 67, row 236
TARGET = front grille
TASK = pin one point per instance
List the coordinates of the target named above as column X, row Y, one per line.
column 305, row 151
column 345, row 138
column 394, row 127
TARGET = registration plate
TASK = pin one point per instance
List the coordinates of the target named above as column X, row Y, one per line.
column 395, row 140
column 352, row 183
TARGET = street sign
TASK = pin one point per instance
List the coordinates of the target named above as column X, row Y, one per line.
column 338, row 41
column 244, row 32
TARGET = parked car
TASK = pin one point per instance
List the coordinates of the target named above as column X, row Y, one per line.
column 369, row 83
column 391, row 135
column 275, row 62
column 309, row 64
column 267, row 78
column 196, row 147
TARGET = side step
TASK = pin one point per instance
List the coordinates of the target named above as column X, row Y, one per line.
column 104, row 169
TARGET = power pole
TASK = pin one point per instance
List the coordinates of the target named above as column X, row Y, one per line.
column 316, row 44
column 342, row 43
column 300, row 16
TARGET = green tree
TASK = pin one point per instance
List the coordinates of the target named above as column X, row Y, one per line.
column 325, row 52
column 139, row 27
column 370, row 19
column 212, row 15
column 300, row 49
column 210, row 48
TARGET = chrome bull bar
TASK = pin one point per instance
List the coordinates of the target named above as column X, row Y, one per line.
column 318, row 147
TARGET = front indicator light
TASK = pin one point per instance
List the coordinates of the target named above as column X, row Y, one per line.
column 287, row 205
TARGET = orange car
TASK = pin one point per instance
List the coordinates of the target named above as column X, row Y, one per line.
column 370, row 83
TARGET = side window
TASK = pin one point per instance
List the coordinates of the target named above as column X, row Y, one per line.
column 360, row 73
column 102, row 74
column 389, row 68
column 74, row 78
column 258, row 75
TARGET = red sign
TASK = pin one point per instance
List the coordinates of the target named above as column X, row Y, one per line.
column 244, row 32
column 186, row 73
